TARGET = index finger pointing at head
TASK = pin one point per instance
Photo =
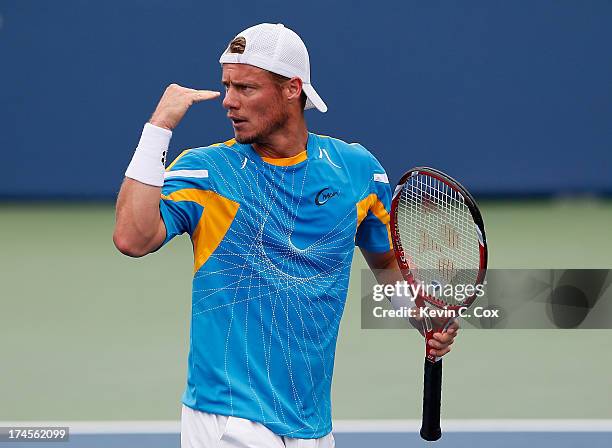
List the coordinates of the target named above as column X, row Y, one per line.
column 203, row 95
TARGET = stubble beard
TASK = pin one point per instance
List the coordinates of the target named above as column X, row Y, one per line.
column 278, row 122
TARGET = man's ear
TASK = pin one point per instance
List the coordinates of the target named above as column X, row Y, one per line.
column 294, row 89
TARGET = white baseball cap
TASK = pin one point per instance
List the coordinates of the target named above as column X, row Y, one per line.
column 278, row 50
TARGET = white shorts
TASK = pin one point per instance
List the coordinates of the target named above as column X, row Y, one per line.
column 204, row 430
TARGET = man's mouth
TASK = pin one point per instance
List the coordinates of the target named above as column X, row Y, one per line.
column 237, row 120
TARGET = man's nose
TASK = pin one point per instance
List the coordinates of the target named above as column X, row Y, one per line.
column 230, row 100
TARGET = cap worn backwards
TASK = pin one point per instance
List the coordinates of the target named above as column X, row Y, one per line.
column 277, row 49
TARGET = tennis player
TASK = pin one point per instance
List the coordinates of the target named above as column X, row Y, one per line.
column 274, row 215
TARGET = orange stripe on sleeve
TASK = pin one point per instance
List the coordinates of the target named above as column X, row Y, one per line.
column 363, row 206
column 230, row 142
column 177, row 159
column 373, row 204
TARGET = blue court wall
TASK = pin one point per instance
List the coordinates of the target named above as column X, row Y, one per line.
column 512, row 97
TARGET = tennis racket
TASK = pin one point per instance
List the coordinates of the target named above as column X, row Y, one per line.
column 439, row 242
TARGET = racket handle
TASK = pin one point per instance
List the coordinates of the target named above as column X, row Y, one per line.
column 432, row 394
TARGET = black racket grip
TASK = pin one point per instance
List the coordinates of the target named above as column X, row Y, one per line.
column 432, row 394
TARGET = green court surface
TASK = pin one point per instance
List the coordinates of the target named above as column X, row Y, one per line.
column 89, row 334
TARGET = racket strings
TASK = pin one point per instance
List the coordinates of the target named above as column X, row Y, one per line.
column 438, row 232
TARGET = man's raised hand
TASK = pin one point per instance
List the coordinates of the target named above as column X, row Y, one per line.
column 175, row 102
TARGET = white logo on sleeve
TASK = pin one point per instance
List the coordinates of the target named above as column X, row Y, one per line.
column 381, row 177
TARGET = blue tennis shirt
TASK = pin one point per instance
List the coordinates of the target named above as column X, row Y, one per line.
column 273, row 241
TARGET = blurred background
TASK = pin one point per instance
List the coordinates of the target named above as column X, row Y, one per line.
column 512, row 98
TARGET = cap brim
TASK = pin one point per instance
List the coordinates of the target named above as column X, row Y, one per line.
column 313, row 98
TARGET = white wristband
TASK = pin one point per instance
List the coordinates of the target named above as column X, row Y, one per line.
column 149, row 161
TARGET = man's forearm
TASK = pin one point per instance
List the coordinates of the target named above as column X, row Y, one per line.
column 387, row 273
column 384, row 266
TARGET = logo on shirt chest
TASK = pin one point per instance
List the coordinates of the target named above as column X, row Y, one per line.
column 325, row 195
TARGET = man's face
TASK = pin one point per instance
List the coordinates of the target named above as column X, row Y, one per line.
column 254, row 102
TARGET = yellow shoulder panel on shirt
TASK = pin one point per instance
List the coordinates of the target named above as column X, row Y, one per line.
column 382, row 214
column 219, row 213
column 373, row 204
column 363, row 206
